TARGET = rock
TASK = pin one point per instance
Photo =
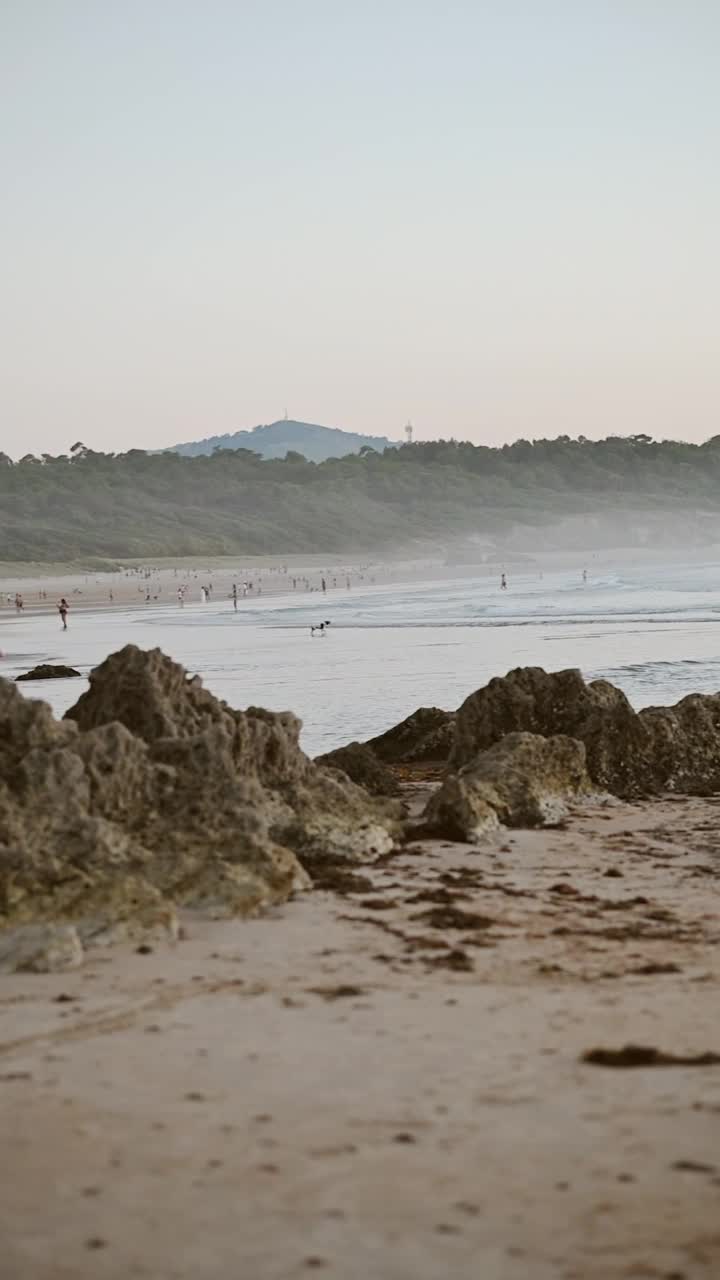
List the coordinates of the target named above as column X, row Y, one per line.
column 152, row 792
column 629, row 753
column 361, row 764
column 425, row 736
column 40, row 948
column 523, row 781
column 47, row 672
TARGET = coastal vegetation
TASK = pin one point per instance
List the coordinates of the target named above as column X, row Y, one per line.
column 525, row 496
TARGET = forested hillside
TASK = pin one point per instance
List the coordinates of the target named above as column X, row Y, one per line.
column 528, row 495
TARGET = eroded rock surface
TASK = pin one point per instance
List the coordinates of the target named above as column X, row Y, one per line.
column 153, row 792
column 426, row 736
column 629, row 753
column 40, row 948
column 522, row 781
column 363, row 767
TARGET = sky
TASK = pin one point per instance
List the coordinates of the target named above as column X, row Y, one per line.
column 496, row 218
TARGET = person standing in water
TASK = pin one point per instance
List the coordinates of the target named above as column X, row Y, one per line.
column 63, row 608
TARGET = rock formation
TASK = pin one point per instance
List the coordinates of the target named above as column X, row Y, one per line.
column 362, row 766
column 426, row 736
column 629, row 753
column 522, row 781
column 153, row 792
column 45, row 671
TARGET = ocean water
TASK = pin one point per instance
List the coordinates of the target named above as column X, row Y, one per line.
column 653, row 631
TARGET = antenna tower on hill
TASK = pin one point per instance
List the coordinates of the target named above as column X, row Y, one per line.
column 409, row 431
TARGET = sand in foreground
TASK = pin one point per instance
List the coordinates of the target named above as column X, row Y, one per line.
column 355, row 1088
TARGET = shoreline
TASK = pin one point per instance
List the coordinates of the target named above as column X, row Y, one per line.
column 88, row 589
column 357, row 1085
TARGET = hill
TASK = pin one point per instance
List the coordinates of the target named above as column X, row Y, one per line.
column 278, row 438
column 528, row 496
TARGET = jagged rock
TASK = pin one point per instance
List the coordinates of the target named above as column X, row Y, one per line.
column 153, row 792
column 629, row 753
column 187, row 728
column 47, row 672
column 363, row 767
column 523, row 781
column 40, row 948
column 425, row 736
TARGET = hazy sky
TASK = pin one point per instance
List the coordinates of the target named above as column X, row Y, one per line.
column 495, row 217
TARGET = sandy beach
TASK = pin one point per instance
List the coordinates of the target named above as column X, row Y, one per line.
column 384, row 1078
column 41, row 584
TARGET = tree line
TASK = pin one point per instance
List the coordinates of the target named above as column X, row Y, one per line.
column 137, row 504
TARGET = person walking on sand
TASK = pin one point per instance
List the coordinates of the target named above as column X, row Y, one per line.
column 63, row 611
column 503, row 582
column 234, row 596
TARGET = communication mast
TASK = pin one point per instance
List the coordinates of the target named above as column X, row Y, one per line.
column 409, row 431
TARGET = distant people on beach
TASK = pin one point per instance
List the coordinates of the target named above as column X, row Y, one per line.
column 323, row 584
column 584, row 575
column 19, row 603
column 63, row 608
column 503, row 582
column 234, row 595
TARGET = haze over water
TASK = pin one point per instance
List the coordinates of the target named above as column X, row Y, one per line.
column 654, row 632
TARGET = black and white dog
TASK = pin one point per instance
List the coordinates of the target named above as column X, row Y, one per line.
column 320, row 627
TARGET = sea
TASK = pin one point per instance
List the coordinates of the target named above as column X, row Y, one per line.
column 652, row 630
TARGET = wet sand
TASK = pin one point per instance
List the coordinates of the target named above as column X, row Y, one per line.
column 384, row 1077
column 86, row 588
column 41, row 586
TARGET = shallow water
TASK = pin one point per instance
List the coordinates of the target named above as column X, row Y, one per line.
column 654, row 632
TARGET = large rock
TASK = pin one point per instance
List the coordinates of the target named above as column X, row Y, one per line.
column 363, row 767
column 629, row 753
column 523, row 781
column 153, row 792
column 424, row 737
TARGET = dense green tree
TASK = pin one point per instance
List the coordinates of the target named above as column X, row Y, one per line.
column 527, row 494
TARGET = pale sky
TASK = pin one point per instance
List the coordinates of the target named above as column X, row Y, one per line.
column 498, row 218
